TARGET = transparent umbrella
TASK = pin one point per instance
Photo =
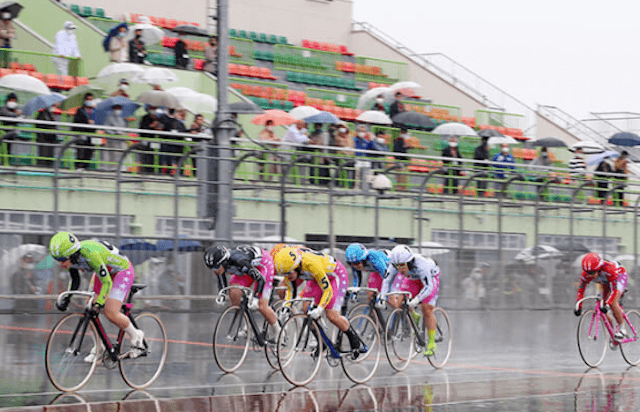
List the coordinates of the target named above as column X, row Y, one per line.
column 24, row 83
column 375, row 117
column 10, row 259
column 431, row 249
column 194, row 101
column 406, row 88
column 454, row 129
column 116, row 71
column 498, row 140
column 587, row 147
column 76, row 95
column 156, row 75
column 370, row 95
column 301, row 112
column 150, row 34
column 158, row 98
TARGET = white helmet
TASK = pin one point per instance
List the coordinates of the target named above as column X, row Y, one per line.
column 401, row 254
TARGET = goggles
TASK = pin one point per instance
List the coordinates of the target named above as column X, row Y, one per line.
column 62, row 259
column 399, row 265
column 355, row 263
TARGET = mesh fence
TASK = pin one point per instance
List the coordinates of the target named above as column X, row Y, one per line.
column 306, row 60
column 342, row 99
column 499, row 119
column 382, row 71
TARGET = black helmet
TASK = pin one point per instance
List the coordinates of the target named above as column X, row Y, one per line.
column 216, row 256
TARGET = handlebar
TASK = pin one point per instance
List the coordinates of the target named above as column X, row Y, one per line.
column 578, row 303
column 357, row 289
column 72, row 293
column 222, row 294
column 400, row 292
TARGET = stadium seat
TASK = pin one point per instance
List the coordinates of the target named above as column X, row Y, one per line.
column 283, row 40
column 198, row 46
column 82, row 81
column 257, row 54
column 254, row 71
column 37, row 75
column 68, row 82
column 75, row 9
column 265, row 73
column 243, row 34
column 172, row 23
column 262, row 38
column 154, row 20
column 155, row 58
column 243, row 70
column 15, row 66
column 232, row 33
column 232, row 51
column 351, row 84
column 52, row 81
column 87, row 11
column 306, row 44
column 341, row 83
column 169, row 42
column 253, row 36
column 20, row 72
column 273, row 39
column 345, row 51
column 100, row 12
column 170, row 60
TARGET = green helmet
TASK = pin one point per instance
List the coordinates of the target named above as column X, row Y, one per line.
column 63, row 245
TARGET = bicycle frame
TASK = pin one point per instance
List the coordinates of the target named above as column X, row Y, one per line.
column 600, row 315
column 407, row 313
column 244, row 309
column 372, row 302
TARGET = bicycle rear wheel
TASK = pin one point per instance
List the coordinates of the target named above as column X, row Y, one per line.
column 362, row 368
column 231, row 339
column 140, row 372
column 299, row 350
column 364, row 309
column 399, row 340
column 592, row 339
column 631, row 350
column 66, row 351
column 270, row 346
column 444, row 339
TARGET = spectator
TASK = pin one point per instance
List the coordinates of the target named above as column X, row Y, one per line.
column 362, row 139
column 620, row 169
column 150, row 121
column 397, row 106
column 137, row 50
column 46, row 141
column 198, row 124
column 577, row 165
column 379, row 104
column 23, row 282
column 451, row 151
column 297, row 133
column 211, row 56
column 543, row 159
column 66, row 46
column 7, row 33
column 118, row 46
column 182, row 55
column 508, row 163
column 10, row 109
column 114, row 119
column 482, row 153
column 122, row 89
column 84, row 115
column 175, row 125
column 378, row 144
column 317, row 175
column 238, row 131
column 602, row 178
column 401, row 145
column 344, row 139
column 474, row 290
column 268, row 135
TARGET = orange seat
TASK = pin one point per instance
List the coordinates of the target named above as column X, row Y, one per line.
column 233, row 69
column 162, row 22
column 154, row 20
column 256, row 91
column 20, row 72
column 15, row 66
column 345, row 51
column 281, row 94
column 265, row 73
column 254, row 71
column 52, row 81
column 315, row 45
column 306, row 44
column 243, row 70
column 169, row 42
column 197, row 45
column 68, row 82
column 135, row 18
column 172, row 23
column 338, row 65
column 81, row 81
column 198, row 64
column 29, row 67
column 324, row 46
column 37, row 75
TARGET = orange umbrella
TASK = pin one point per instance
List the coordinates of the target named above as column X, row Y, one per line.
column 279, row 117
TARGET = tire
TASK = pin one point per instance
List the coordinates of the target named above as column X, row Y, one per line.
column 362, row 368
column 364, row 309
column 631, row 350
column 444, row 339
column 66, row 367
column 592, row 346
column 299, row 350
column 399, row 340
column 141, row 372
column 231, row 339
column 270, row 347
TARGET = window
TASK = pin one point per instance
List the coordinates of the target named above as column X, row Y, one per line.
column 44, row 222
column 479, row 240
column 201, row 228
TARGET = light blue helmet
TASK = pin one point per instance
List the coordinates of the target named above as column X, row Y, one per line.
column 356, row 252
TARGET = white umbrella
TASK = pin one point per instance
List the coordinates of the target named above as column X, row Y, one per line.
column 10, row 261
column 269, row 242
column 431, row 249
column 194, row 101
column 301, row 112
column 406, row 88
column 597, row 158
column 374, row 116
column 541, row 252
column 454, row 129
column 150, row 34
column 587, row 147
column 117, row 71
column 156, row 75
column 498, row 140
column 370, row 95
column 158, row 98
column 24, row 83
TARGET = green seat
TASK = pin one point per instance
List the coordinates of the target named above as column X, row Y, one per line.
column 300, row 78
column 232, row 33
column 278, row 58
column 273, row 39
column 277, row 104
column 291, row 77
column 253, row 36
column 257, row 54
column 263, row 103
column 342, row 83
column 351, row 84
column 331, row 81
column 282, row 40
column 75, row 8
column 170, row 60
column 267, row 55
column 155, row 58
column 288, row 105
column 309, row 78
column 243, row 34
column 87, row 11
column 262, row 38
column 100, row 12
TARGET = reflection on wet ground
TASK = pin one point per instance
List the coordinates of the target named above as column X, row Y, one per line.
column 502, row 361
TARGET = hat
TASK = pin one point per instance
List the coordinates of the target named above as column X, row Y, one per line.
column 124, row 80
column 12, row 95
column 69, row 25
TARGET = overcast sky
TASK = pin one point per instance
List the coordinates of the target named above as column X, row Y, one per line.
column 581, row 56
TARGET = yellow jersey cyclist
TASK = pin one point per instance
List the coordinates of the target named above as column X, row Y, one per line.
column 114, row 276
column 422, row 280
column 327, row 281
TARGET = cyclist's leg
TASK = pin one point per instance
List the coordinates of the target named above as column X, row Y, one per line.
column 374, row 282
column 615, row 304
column 122, row 282
column 267, row 271
column 396, row 300
column 235, row 295
column 428, row 304
column 413, row 286
column 339, row 283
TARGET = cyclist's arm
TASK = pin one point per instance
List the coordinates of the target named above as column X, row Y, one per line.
column 583, row 286
column 615, row 292
column 74, row 283
column 222, row 281
column 389, row 277
column 291, row 289
column 258, row 278
column 357, row 278
column 320, row 276
column 427, row 289
column 105, row 278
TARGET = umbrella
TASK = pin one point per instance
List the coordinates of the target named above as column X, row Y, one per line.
column 541, row 252
column 41, row 102
column 137, row 250
column 490, row 133
column 10, row 260
column 454, row 129
column 112, row 33
column 419, row 120
column 104, row 107
column 192, row 30
column 117, row 71
column 407, row 88
column 566, row 245
column 268, row 242
column 597, row 158
column 24, row 83
column 587, row 147
column 184, row 245
column 11, row 7
column 158, row 98
column 625, row 139
column 245, row 107
column 194, row 101
column 302, row 112
column 548, row 142
column 431, row 249
column 498, row 140
column 76, row 95
column 374, row 116
column 150, row 33
column 279, row 117
column 370, row 95
column 322, row 117
column 156, row 75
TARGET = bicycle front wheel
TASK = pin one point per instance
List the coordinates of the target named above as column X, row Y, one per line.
column 361, row 368
column 231, row 339
column 444, row 339
column 399, row 340
column 141, row 371
column 299, row 350
column 631, row 350
column 67, row 358
column 592, row 339
column 364, row 309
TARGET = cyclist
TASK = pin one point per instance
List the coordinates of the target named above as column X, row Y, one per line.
column 375, row 262
column 327, row 281
column 114, row 276
column 613, row 278
column 422, row 280
column 246, row 264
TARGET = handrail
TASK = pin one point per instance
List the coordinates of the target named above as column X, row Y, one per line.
column 33, row 33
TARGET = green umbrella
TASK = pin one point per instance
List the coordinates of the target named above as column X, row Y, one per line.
column 75, row 97
column 46, row 263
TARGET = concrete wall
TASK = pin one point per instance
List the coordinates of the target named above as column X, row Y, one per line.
column 546, row 128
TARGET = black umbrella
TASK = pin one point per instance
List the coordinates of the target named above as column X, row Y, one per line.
column 566, row 245
column 245, row 108
column 489, row 133
column 625, row 139
column 11, row 7
column 415, row 119
column 191, row 30
column 549, row 142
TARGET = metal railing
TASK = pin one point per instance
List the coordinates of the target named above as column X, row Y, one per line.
column 306, row 60
column 379, row 70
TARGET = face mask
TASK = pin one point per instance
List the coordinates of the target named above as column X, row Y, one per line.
column 158, row 112
column 70, row 31
column 6, row 16
column 89, row 103
column 124, row 87
column 342, row 130
column 361, row 134
column 270, row 128
column 138, row 36
column 379, row 100
column 118, row 112
column 12, row 105
column 505, row 150
column 121, row 34
column 381, row 140
column 453, row 144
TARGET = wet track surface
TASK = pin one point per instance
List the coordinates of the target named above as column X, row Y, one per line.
column 501, row 361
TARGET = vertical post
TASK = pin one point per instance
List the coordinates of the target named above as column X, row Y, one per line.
column 332, row 240
column 376, row 234
column 118, row 191
column 176, row 184
column 56, row 189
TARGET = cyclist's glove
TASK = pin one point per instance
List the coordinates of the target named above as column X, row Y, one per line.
column 577, row 312
column 253, row 304
column 316, row 313
column 414, row 303
column 381, row 304
column 62, row 306
column 604, row 307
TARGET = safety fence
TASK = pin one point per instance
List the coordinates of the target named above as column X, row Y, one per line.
column 382, row 71
column 306, row 60
column 499, row 119
column 342, row 99
column 38, row 64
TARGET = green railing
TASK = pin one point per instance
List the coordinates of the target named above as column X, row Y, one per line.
column 342, row 99
column 240, row 50
column 44, row 61
column 499, row 119
column 392, row 71
column 258, row 83
column 452, row 110
column 305, row 60
column 103, row 24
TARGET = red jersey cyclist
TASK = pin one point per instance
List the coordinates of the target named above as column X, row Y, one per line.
column 613, row 278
